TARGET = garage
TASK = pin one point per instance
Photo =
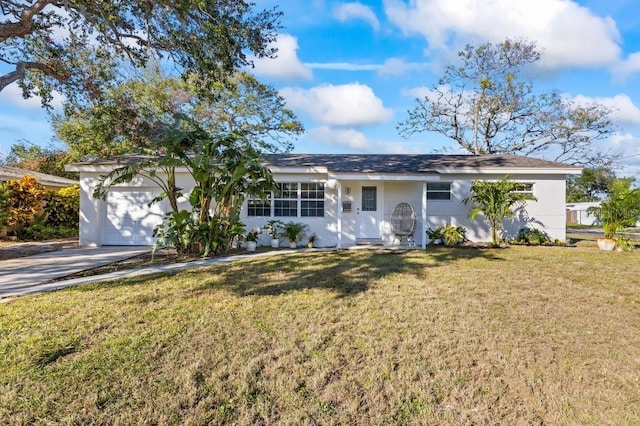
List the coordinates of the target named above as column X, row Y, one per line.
column 128, row 218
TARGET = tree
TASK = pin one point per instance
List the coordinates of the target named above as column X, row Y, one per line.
column 77, row 47
column 592, row 185
column 127, row 117
column 28, row 156
column 225, row 169
column 496, row 202
column 487, row 107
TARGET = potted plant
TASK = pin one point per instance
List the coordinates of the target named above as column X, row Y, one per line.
column 311, row 242
column 274, row 229
column 294, row 232
column 435, row 235
column 622, row 209
column 252, row 239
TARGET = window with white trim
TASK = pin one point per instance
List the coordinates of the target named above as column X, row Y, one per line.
column 524, row 188
column 439, row 191
column 285, row 200
column 290, row 199
column 260, row 207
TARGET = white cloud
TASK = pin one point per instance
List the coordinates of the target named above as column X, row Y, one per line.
column 629, row 146
column 342, row 66
column 348, row 11
column 286, row 65
column 352, row 104
column 569, row 34
column 397, row 66
column 628, row 66
column 623, row 109
column 349, row 138
column 354, row 140
column 12, row 94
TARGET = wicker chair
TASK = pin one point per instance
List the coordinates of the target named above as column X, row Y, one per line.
column 403, row 223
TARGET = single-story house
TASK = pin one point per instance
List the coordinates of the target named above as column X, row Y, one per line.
column 345, row 199
column 50, row 182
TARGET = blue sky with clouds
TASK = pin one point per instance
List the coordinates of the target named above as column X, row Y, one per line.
column 350, row 70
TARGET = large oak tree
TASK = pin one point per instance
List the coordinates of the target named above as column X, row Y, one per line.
column 487, row 106
column 77, row 46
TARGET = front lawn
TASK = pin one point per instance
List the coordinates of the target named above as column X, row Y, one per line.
column 523, row 335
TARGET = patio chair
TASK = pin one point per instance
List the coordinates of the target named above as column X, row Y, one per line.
column 403, row 223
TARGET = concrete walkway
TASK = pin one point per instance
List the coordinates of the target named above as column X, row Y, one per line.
column 33, row 283
column 27, row 274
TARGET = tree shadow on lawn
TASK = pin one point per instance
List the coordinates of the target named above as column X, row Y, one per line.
column 346, row 273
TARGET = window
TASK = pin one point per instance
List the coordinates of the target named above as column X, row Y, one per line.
column 439, row 191
column 285, row 200
column 290, row 199
column 524, row 188
column 312, row 195
column 369, row 198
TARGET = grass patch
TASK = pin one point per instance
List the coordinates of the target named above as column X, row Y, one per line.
column 521, row 335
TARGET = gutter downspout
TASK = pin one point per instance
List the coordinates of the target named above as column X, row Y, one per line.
column 424, row 215
column 339, row 216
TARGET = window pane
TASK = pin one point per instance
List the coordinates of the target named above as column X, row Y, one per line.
column 286, row 208
column 312, row 208
column 287, row 190
column 439, row 186
column 439, row 191
column 369, row 198
column 438, row 195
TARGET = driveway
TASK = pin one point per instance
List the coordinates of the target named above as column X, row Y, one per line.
column 28, row 274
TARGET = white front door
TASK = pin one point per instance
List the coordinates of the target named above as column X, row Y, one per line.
column 368, row 212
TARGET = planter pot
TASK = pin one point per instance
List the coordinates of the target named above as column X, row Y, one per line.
column 275, row 243
column 293, row 244
column 606, row 244
column 251, row 246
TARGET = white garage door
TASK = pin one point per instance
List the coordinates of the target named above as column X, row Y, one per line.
column 128, row 218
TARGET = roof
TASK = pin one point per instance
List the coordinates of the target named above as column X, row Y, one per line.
column 14, row 173
column 372, row 163
column 408, row 163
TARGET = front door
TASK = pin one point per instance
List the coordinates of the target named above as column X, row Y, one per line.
column 367, row 213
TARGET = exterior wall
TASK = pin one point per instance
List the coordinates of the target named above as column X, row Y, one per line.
column 324, row 227
column 548, row 213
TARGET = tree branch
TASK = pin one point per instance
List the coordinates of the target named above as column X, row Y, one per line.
column 25, row 25
column 20, row 71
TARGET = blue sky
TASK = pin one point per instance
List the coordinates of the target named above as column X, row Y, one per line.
column 350, row 70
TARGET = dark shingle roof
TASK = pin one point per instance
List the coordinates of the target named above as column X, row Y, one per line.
column 377, row 163
column 14, row 173
column 407, row 163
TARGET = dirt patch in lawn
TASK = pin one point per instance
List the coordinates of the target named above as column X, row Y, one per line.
column 17, row 249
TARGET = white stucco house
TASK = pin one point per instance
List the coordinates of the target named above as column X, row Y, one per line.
column 345, row 199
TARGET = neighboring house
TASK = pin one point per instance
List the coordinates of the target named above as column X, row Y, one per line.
column 345, row 199
column 50, row 182
column 578, row 213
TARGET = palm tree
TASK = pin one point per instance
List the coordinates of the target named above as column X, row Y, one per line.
column 496, row 201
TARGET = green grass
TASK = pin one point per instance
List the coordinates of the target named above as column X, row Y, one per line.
column 523, row 335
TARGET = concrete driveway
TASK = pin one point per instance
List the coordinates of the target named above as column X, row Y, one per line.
column 26, row 274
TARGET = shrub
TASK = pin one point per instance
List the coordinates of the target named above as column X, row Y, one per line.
column 449, row 234
column 63, row 207
column 40, row 231
column 24, row 199
column 532, row 236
